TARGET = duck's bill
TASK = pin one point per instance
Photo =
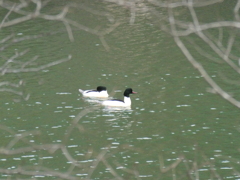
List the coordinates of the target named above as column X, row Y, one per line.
column 134, row 92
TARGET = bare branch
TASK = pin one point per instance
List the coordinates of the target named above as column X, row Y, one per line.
column 197, row 65
column 21, row 137
column 70, row 158
column 164, row 169
column 183, row 3
column 37, row 172
column 37, row 68
column 236, row 11
column 109, row 16
column 11, row 91
column 50, row 147
column 69, row 30
column 6, row 38
column 112, row 171
column 6, row 83
column 95, row 163
column 17, row 20
column 6, row 16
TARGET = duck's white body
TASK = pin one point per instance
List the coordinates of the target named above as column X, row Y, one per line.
column 93, row 93
column 119, row 103
column 101, row 92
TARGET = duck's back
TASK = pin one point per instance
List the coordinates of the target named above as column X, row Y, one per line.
column 94, row 93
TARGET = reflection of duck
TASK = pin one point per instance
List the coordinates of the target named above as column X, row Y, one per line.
column 101, row 92
column 119, row 103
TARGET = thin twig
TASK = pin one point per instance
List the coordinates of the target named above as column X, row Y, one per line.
column 24, row 70
column 6, row 16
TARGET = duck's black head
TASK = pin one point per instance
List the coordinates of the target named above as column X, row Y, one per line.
column 101, row 88
column 128, row 91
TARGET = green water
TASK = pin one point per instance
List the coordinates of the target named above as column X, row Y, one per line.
column 172, row 115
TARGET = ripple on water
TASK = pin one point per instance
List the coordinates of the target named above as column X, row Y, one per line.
column 81, row 174
column 28, row 156
column 63, row 93
column 46, row 157
column 68, row 107
column 142, row 176
column 55, row 127
column 226, row 168
column 72, row 146
column 144, row 138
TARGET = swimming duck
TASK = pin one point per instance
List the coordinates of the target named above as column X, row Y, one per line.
column 100, row 92
column 119, row 103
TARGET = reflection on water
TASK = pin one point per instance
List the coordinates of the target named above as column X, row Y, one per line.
column 92, row 101
column 117, row 109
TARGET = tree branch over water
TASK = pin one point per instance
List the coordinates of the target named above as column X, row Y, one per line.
column 91, row 161
column 31, row 11
column 193, row 29
column 32, row 143
column 202, row 31
column 21, row 145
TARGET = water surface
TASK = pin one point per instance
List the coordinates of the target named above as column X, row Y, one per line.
column 171, row 116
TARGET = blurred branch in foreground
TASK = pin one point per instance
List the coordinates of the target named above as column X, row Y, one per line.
column 18, row 8
column 22, row 145
column 19, row 12
column 91, row 162
column 181, row 29
column 214, row 37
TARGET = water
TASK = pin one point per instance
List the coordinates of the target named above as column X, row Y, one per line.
column 171, row 117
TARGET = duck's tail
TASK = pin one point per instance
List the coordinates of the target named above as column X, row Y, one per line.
column 80, row 90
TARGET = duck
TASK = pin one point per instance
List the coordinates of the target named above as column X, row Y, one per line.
column 120, row 103
column 100, row 92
